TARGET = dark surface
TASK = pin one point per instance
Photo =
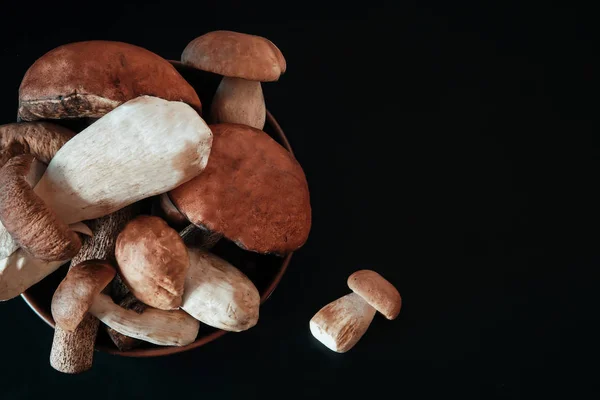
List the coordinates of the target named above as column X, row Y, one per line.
column 453, row 148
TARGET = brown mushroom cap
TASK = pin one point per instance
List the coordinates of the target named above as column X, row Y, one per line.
column 89, row 79
column 76, row 293
column 236, row 55
column 42, row 139
column 252, row 191
column 153, row 261
column 377, row 291
column 26, row 217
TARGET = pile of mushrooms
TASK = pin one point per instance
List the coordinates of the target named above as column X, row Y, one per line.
column 68, row 197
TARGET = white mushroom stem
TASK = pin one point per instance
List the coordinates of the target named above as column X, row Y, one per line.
column 20, row 271
column 239, row 101
column 218, row 294
column 164, row 328
column 144, row 147
column 340, row 324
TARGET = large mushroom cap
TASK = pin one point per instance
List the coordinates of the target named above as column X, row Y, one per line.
column 76, row 293
column 252, row 191
column 31, row 223
column 88, row 79
column 153, row 261
column 236, row 55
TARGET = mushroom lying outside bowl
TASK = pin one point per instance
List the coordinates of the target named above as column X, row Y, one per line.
column 265, row 271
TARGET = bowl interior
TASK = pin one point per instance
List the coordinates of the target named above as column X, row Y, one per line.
column 265, row 271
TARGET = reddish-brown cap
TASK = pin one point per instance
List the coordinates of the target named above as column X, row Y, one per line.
column 89, row 79
column 252, row 191
column 153, row 261
column 76, row 293
column 33, row 225
column 236, row 55
column 377, row 291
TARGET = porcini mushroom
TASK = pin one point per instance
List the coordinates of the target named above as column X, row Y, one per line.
column 142, row 148
column 218, row 294
column 377, row 291
column 73, row 352
column 340, row 324
column 153, row 261
column 244, row 61
column 80, row 292
column 252, row 191
column 89, row 79
column 31, row 223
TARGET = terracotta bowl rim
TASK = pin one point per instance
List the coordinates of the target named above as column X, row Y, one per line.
column 168, row 350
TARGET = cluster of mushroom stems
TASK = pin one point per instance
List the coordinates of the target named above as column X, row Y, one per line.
column 75, row 197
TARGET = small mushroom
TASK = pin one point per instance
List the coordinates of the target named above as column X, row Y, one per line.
column 377, row 291
column 31, row 223
column 252, row 191
column 218, row 294
column 142, row 148
column 244, row 61
column 340, row 324
column 89, row 79
column 153, row 261
column 80, row 293
column 73, row 352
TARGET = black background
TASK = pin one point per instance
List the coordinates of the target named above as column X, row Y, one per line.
column 450, row 146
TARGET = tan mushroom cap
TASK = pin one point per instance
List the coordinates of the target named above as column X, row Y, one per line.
column 153, row 261
column 42, row 139
column 89, row 79
column 33, row 225
column 235, row 54
column 377, row 291
column 77, row 292
column 252, row 191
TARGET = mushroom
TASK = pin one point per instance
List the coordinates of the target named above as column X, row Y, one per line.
column 153, row 261
column 218, row 294
column 244, row 61
column 42, row 140
column 142, row 148
column 377, row 291
column 31, row 223
column 73, row 352
column 340, row 324
column 89, row 79
column 80, row 293
column 252, row 191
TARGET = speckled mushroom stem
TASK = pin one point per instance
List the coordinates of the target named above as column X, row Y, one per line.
column 73, row 352
column 194, row 236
